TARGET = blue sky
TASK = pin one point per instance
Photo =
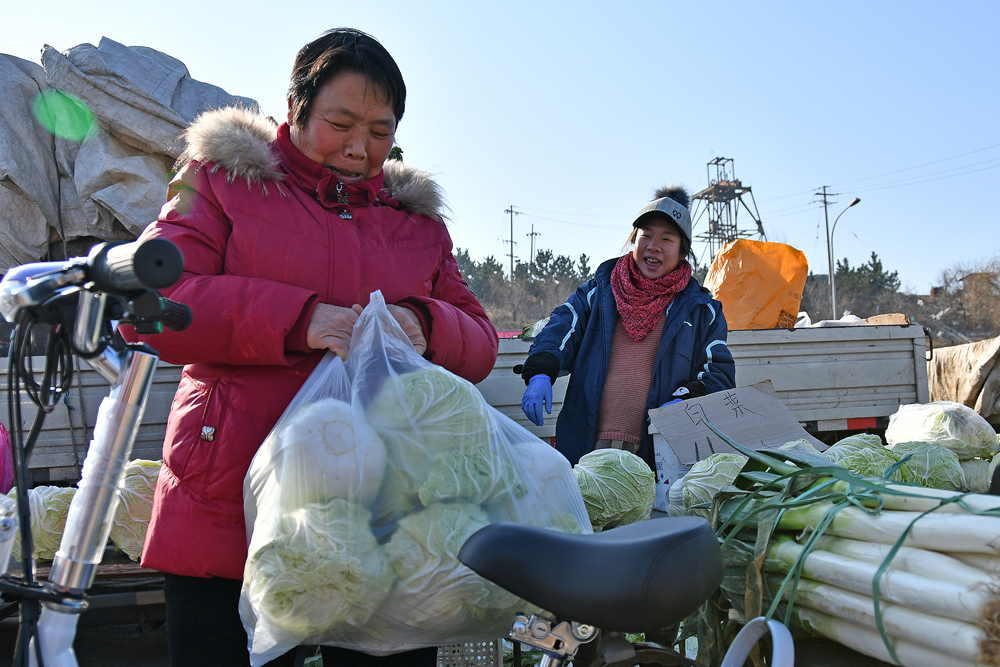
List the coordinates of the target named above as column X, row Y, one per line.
column 574, row 112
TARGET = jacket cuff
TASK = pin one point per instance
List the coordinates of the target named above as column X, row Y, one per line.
column 423, row 313
column 296, row 338
column 541, row 363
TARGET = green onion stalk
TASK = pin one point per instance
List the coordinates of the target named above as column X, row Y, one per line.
column 905, row 574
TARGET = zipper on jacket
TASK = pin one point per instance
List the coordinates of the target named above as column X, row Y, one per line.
column 344, row 213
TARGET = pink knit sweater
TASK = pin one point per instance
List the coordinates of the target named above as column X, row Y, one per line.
column 622, row 414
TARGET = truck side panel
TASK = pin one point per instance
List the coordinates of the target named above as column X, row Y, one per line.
column 826, row 376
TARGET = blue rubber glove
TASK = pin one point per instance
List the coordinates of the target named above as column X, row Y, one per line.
column 676, row 400
column 538, row 394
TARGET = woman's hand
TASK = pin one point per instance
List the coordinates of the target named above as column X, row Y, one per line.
column 411, row 327
column 330, row 328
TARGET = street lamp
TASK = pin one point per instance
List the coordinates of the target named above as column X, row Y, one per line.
column 833, row 284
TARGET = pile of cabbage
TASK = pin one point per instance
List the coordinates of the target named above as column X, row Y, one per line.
column 135, row 507
column 358, row 503
column 941, row 445
column 49, row 506
column 954, row 427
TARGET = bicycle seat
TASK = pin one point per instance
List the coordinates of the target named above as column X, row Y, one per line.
column 642, row 577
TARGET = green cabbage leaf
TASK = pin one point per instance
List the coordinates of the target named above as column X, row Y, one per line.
column 617, row 486
column 320, row 568
column 434, row 591
column 135, row 506
column 958, row 427
column 693, row 493
column 933, row 465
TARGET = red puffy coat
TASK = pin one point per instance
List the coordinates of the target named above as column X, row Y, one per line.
column 266, row 234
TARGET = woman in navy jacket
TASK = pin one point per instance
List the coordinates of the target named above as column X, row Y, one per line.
column 641, row 333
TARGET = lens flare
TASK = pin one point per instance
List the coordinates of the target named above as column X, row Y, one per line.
column 64, row 116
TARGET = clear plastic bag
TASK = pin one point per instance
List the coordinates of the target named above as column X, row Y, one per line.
column 953, row 425
column 360, row 498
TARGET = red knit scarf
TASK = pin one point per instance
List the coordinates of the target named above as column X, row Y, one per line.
column 641, row 300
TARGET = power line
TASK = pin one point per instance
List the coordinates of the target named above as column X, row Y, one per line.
column 576, row 215
column 936, row 177
column 926, row 164
column 567, row 222
column 890, row 173
column 915, row 180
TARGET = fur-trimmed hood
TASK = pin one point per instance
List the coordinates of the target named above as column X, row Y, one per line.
column 238, row 140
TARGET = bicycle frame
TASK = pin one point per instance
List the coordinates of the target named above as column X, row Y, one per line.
column 88, row 522
column 655, row 574
column 46, row 292
column 560, row 641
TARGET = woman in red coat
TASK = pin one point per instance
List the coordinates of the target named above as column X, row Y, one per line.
column 285, row 231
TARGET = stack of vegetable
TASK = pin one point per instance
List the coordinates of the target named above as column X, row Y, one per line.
column 49, row 506
column 359, row 504
column 956, row 427
column 895, row 570
column 135, row 506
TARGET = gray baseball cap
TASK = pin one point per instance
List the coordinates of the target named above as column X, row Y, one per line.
column 667, row 207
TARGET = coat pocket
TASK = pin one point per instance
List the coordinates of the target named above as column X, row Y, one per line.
column 191, row 444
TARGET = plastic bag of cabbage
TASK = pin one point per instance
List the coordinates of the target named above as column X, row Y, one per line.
column 953, row 425
column 361, row 497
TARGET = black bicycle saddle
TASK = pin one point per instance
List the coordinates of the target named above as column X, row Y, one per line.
column 642, row 577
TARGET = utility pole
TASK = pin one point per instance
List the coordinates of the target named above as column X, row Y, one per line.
column 829, row 252
column 533, row 234
column 512, row 241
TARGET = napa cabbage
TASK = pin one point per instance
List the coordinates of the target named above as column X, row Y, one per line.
column 477, row 475
column 49, row 506
column 958, row 427
column 135, row 507
column 617, row 487
column 326, row 451
column 977, row 475
column 932, row 464
column 853, row 443
column 420, row 415
column 547, row 494
column 434, row 591
column 320, row 568
column 693, row 493
column 865, row 455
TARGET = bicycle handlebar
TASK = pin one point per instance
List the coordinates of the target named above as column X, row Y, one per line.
column 130, row 267
column 131, row 271
column 176, row 316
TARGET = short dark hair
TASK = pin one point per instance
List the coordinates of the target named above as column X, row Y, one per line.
column 337, row 51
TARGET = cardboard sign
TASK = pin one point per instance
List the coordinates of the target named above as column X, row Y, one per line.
column 753, row 418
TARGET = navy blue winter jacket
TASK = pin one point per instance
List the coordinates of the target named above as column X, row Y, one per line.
column 577, row 340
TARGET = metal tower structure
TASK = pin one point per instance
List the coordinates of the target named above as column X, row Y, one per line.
column 722, row 201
